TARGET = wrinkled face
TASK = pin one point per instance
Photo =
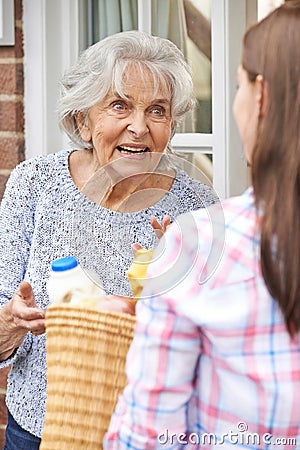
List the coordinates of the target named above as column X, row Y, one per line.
column 130, row 130
column 246, row 110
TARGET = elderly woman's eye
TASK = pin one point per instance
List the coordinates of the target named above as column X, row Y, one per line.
column 158, row 111
column 119, row 106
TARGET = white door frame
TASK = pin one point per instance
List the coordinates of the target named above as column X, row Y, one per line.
column 51, row 39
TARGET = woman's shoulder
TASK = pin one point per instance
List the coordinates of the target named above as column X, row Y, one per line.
column 30, row 176
column 43, row 163
column 190, row 187
column 40, row 169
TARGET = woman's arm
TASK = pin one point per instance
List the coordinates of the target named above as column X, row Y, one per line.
column 18, row 313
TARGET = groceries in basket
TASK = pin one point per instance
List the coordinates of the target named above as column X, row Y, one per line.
column 70, row 283
column 86, row 355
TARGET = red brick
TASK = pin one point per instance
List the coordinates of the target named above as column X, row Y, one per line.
column 3, row 180
column 12, row 151
column 2, row 436
column 19, row 46
column 3, row 377
column 11, row 116
column 11, row 78
column 7, row 51
column 18, row 9
column 3, row 410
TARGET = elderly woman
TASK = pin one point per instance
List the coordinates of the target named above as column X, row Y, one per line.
column 120, row 105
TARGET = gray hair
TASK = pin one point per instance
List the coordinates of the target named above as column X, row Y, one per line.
column 101, row 67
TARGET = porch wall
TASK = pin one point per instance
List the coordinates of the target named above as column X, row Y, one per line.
column 12, row 143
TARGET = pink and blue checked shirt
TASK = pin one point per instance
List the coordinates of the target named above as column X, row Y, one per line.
column 211, row 365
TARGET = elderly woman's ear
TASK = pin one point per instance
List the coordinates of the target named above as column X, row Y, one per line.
column 82, row 123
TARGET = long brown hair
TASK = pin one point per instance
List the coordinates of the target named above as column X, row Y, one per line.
column 272, row 49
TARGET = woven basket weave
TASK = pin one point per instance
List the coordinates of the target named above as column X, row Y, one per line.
column 86, row 353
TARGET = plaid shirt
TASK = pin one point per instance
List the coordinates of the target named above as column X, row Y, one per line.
column 211, row 364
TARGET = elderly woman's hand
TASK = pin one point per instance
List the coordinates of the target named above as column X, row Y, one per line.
column 118, row 303
column 160, row 229
column 17, row 317
column 26, row 315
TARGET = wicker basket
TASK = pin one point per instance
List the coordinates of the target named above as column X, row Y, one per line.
column 86, row 353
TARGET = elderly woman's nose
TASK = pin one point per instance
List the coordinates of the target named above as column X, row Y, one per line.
column 138, row 124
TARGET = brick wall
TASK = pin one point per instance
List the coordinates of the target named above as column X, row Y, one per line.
column 11, row 136
column 3, row 413
column 12, row 148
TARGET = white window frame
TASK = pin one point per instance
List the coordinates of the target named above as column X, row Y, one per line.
column 52, row 43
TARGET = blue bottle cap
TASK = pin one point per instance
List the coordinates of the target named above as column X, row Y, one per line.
column 62, row 264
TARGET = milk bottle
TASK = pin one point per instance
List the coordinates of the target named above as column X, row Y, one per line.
column 70, row 283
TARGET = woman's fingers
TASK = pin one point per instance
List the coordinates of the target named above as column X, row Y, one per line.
column 25, row 295
column 135, row 248
column 24, row 311
column 37, row 328
column 166, row 222
column 160, row 229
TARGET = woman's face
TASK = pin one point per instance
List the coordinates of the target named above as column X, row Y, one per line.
column 128, row 131
column 246, row 110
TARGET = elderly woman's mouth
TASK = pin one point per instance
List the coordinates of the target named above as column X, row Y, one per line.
column 132, row 150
